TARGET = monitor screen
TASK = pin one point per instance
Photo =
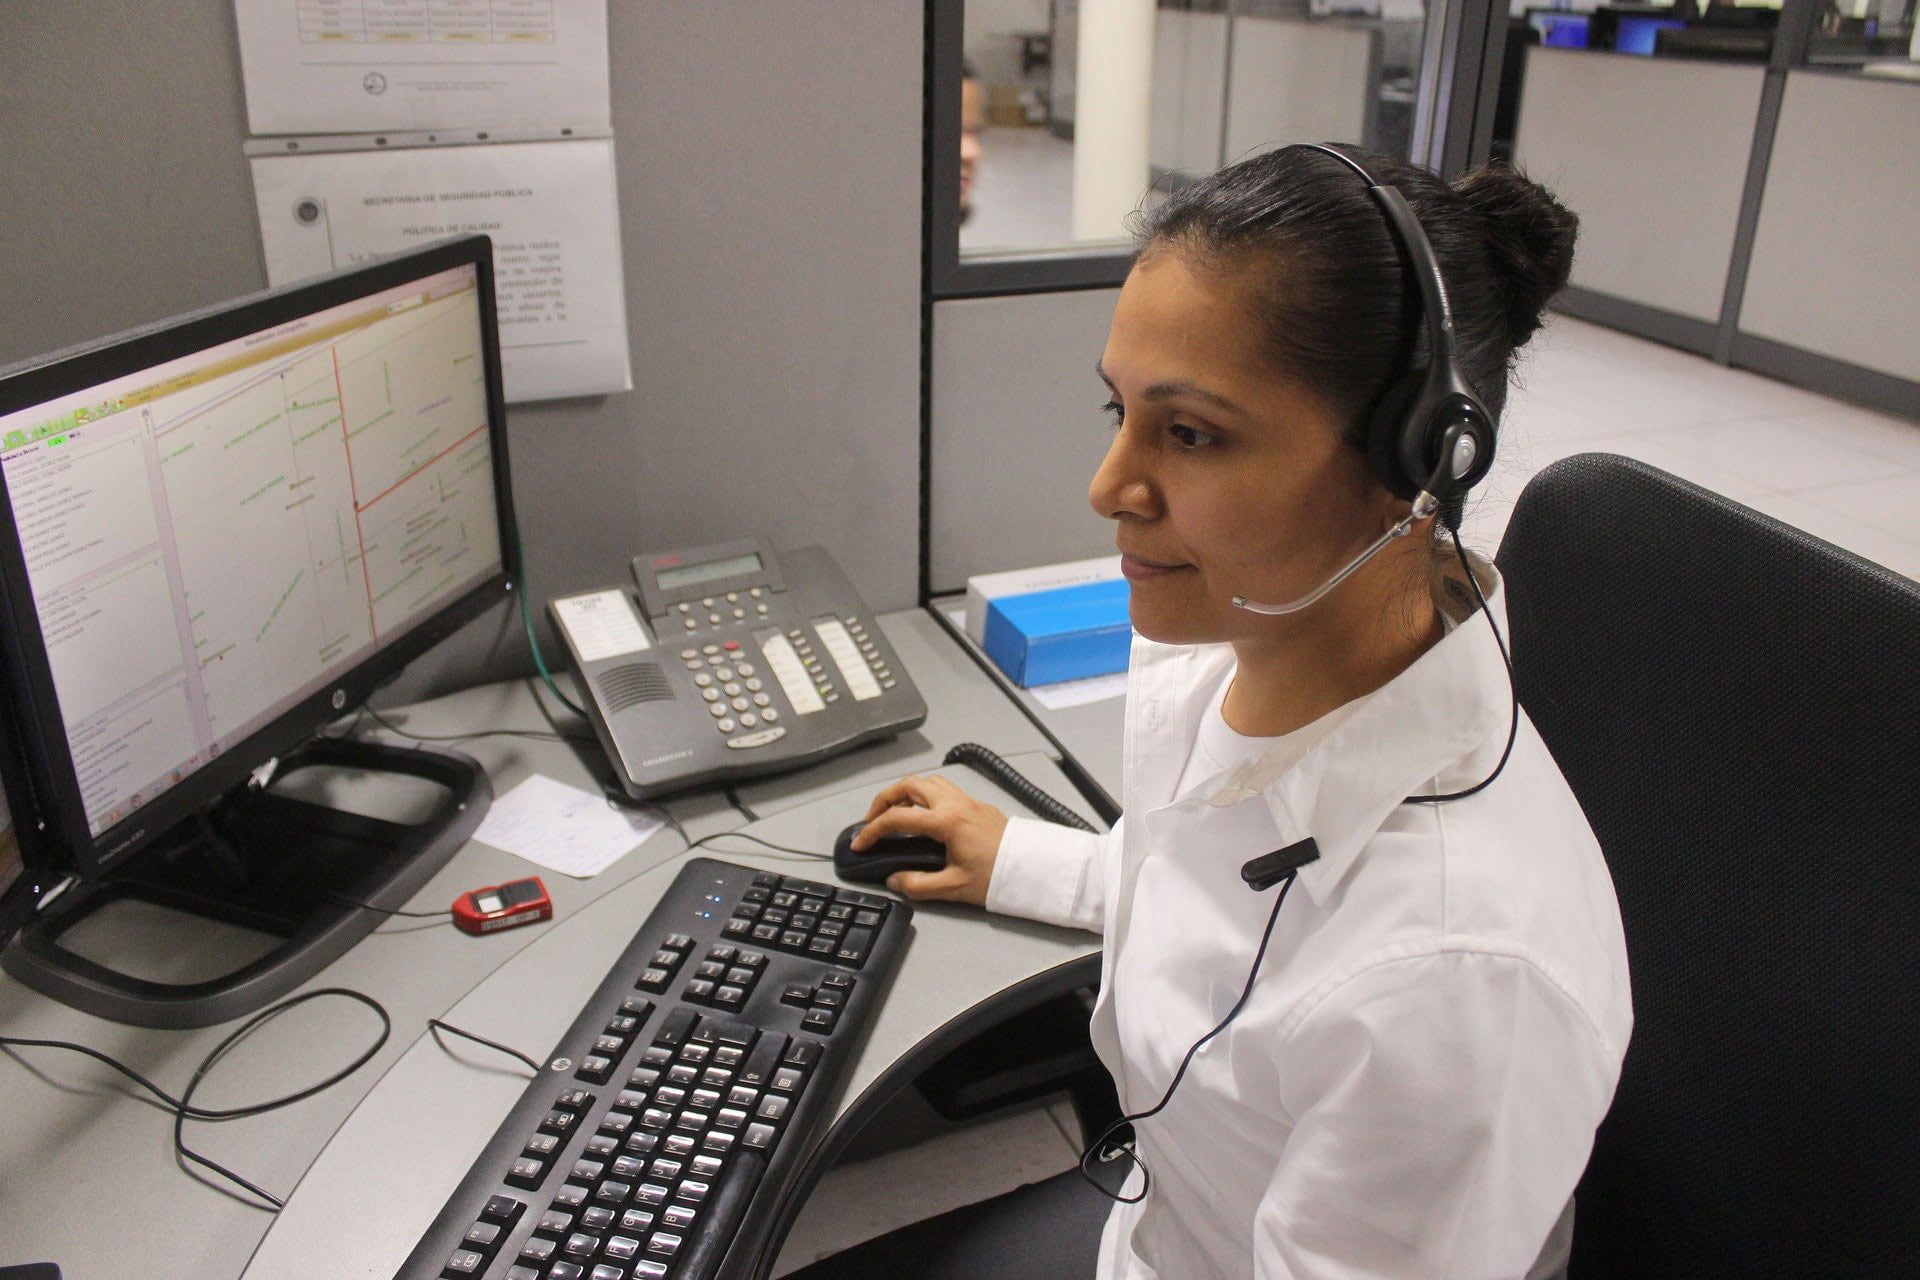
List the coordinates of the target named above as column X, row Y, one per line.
column 213, row 537
column 1561, row 30
column 1637, row 34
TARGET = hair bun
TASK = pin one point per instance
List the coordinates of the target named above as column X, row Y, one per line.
column 1530, row 237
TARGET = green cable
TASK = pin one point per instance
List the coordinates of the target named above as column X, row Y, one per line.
column 533, row 641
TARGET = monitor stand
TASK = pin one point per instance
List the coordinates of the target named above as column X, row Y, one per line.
column 277, row 865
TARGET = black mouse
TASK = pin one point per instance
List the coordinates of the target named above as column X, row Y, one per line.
column 887, row 855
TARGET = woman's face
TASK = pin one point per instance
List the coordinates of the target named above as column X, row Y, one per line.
column 1224, row 477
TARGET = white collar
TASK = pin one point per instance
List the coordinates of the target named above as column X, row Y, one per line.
column 1436, row 727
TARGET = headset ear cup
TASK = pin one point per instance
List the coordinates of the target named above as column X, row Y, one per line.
column 1385, row 428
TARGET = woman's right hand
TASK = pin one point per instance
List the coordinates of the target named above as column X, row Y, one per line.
column 969, row 828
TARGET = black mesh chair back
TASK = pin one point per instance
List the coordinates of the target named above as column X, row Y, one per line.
column 1737, row 706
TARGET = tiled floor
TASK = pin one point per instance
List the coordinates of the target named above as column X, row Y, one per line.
column 1840, row 472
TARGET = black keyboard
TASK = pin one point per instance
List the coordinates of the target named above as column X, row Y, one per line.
column 685, row 1095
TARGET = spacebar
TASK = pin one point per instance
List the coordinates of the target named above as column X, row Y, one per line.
column 728, row 1213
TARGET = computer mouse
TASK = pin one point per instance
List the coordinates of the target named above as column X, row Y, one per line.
column 886, row 856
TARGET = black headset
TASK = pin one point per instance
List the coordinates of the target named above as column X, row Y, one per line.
column 1428, row 432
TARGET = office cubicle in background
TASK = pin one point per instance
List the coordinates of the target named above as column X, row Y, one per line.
column 1739, row 176
column 769, row 184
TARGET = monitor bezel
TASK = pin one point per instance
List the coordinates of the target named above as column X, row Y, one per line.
column 53, row 787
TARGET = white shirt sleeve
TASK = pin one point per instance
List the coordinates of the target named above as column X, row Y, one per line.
column 1048, row 872
column 1444, row 1105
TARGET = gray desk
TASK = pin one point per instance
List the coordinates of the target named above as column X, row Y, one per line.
column 87, row 1176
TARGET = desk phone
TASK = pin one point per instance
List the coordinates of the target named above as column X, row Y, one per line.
column 732, row 663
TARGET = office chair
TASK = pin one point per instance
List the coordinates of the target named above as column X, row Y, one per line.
column 1735, row 704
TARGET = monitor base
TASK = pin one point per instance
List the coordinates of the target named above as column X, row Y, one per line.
column 279, row 866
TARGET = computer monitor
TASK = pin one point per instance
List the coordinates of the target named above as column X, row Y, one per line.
column 1637, row 32
column 218, row 533
column 1559, row 30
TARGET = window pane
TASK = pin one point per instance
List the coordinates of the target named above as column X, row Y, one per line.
column 1079, row 113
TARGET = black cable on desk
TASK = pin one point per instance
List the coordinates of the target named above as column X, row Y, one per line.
column 183, row 1108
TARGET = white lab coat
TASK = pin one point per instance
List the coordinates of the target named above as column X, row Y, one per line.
column 1438, row 1025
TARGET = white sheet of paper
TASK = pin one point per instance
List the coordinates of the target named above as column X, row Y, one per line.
column 563, row 828
column 549, row 206
column 364, row 66
column 1074, row 693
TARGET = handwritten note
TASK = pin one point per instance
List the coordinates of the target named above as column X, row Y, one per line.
column 563, row 828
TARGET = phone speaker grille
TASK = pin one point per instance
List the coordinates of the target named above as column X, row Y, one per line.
column 633, row 684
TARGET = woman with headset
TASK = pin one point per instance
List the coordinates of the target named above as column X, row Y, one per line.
column 1365, row 991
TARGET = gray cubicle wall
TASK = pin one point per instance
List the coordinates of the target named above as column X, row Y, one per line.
column 769, row 161
column 1652, row 154
column 1017, row 433
column 1852, row 134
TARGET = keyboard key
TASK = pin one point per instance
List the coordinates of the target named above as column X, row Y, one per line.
column 699, row 989
column 613, row 1193
column 695, row 1051
column 501, row 1209
column 716, row 1077
column 665, row 1170
column 648, row 1269
column 522, row 1273
column 595, row 1069
column 566, row 1271
column 817, row 1020
column 707, row 1166
column 676, row 1028
column 691, row 1121
column 712, row 969
column 628, row 1168
column 526, row 1173
column 538, row 1249
column 751, row 960
column 728, row 1055
column 802, row 1052
column 464, row 1262
column 658, row 1055
column 840, row 911
column 854, row 947
column 844, row 981
column 666, row 1096
column 787, row 1079
column 571, row 1196
column 654, row 979
column 636, row 1008
column 601, row 1146
column 608, row 1271
column 482, row 1236
column 541, row 1145
column 820, row 946
column 765, row 933
column 757, row 1070
column 694, row 1191
column 829, row 997
column 795, row 939
column 773, row 1107
column 558, row 1121
column 656, row 1118
column 615, row 1123
column 729, row 1118
column 743, row 1096
column 580, row 1245
column 587, row 1171
column 622, row 1025
column 663, row 1244
column 637, row 1221
column 682, row 1074
column 679, row 942
column 677, row 1216
column 621, row 1248
column 741, row 976
column 705, row 1099
column 651, row 1194
column 720, row 1140
column 610, row 1046
column 679, row 1144
column 596, row 1219
column 557, row 1222
column 737, row 928
column 642, row 1142
column 575, row 1099
column 759, row 1137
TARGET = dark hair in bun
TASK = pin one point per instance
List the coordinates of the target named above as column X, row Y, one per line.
column 1329, row 287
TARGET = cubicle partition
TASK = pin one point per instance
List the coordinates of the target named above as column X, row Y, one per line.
column 1652, row 154
column 1837, row 222
column 1016, row 433
column 1752, row 211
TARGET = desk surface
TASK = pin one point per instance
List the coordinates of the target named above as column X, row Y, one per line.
column 87, row 1176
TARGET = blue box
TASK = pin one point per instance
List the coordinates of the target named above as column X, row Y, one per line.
column 1064, row 634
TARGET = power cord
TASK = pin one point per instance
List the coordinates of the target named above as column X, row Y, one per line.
column 391, row 911
column 541, row 735
column 183, row 1108
column 533, row 641
column 436, row 1026
column 733, row 798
